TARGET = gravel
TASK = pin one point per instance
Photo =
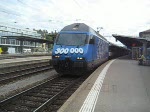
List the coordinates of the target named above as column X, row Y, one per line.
column 18, row 86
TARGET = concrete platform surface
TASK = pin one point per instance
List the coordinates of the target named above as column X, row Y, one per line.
column 119, row 86
column 15, row 60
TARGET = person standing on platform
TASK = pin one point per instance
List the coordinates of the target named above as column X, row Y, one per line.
column 142, row 58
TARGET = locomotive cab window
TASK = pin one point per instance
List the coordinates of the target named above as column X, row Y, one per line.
column 92, row 39
column 71, row 39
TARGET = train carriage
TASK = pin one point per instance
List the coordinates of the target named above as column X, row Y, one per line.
column 78, row 48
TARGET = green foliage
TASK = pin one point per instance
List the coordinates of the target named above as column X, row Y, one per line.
column 39, row 49
column 4, row 49
column 44, row 33
column 49, row 36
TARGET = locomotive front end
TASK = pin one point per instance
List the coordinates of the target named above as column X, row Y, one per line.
column 68, row 55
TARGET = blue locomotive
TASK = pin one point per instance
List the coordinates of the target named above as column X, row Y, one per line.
column 78, row 48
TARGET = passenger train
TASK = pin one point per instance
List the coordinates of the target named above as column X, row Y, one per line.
column 78, row 48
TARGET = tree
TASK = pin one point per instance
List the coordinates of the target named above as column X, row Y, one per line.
column 4, row 49
column 43, row 33
column 48, row 36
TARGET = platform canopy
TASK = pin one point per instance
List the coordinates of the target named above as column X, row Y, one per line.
column 27, row 38
column 130, row 41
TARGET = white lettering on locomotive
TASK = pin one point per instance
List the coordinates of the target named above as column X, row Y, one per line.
column 67, row 50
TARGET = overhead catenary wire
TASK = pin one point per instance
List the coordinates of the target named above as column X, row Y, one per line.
column 25, row 4
column 8, row 11
column 83, row 9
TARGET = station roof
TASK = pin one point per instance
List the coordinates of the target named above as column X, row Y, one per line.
column 144, row 32
column 26, row 38
column 130, row 41
column 115, row 46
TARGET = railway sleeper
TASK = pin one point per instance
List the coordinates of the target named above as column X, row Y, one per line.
column 13, row 108
column 40, row 95
column 27, row 103
column 34, row 99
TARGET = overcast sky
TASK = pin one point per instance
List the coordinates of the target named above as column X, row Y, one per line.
column 124, row 17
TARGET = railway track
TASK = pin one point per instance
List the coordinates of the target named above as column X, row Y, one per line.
column 45, row 97
column 9, row 74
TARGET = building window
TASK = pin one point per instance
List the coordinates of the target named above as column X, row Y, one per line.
column 13, row 41
column 3, row 41
column 17, row 42
column 7, row 41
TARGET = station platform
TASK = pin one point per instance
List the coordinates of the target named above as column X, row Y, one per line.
column 22, row 60
column 120, row 85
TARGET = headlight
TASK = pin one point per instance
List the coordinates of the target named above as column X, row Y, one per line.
column 80, row 58
column 57, row 56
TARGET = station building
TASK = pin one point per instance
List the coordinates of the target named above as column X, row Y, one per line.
column 19, row 39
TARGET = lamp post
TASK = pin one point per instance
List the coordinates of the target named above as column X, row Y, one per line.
column 99, row 28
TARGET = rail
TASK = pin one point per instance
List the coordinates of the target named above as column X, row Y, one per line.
column 36, row 98
column 22, row 71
